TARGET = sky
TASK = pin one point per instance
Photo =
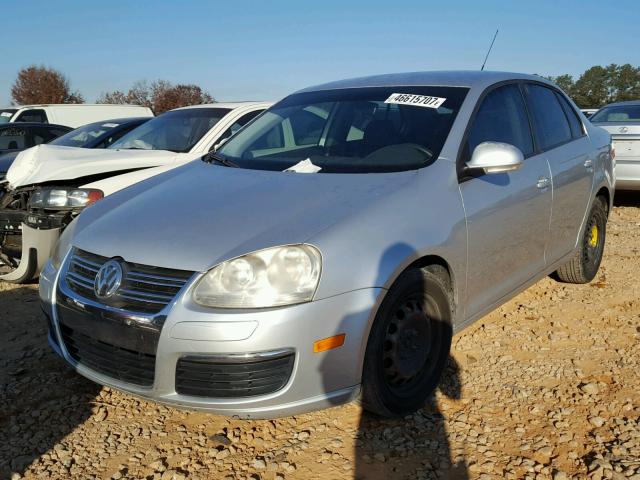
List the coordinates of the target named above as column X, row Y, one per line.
column 263, row 50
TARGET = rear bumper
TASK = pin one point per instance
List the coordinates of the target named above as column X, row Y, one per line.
column 627, row 174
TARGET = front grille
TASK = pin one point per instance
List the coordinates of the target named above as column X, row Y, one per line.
column 116, row 362
column 144, row 289
column 208, row 377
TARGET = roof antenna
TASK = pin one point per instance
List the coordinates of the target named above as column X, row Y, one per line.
column 490, row 47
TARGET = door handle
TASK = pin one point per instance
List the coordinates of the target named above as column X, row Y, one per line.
column 543, row 182
column 588, row 164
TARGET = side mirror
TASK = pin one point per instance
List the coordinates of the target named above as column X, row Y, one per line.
column 495, row 157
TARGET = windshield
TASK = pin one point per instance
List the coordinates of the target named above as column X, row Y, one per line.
column 6, row 114
column 82, row 136
column 177, row 131
column 618, row 113
column 356, row 130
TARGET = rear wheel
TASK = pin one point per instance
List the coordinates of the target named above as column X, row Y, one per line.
column 409, row 344
column 582, row 268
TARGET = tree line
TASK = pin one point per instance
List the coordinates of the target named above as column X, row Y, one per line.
column 596, row 87
column 40, row 84
column 599, row 85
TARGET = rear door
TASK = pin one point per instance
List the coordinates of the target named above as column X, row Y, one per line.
column 561, row 137
column 507, row 213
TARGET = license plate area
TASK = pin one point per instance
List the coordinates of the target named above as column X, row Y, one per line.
column 627, row 149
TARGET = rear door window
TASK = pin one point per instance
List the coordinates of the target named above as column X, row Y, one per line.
column 574, row 122
column 550, row 123
column 502, row 117
column 33, row 115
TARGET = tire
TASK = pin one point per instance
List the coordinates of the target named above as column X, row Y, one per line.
column 408, row 345
column 583, row 267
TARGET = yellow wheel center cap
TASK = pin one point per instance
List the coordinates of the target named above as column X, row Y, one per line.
column 593, row 240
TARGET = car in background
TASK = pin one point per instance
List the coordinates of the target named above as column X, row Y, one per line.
column 95, row 135
column 76, row 115
column 17, row 137
column 6, row 114
column 588, row 111
column 622, row 121
column 333, row 245
column 48, row 186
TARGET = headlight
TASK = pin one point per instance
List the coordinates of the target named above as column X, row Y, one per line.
column 266, row 278
column 60, row 197
column 63, row 245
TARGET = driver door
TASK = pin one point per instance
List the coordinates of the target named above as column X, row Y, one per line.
column 507, row 214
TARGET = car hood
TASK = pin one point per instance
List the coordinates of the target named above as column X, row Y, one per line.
column 45, row 163
column 198, row 215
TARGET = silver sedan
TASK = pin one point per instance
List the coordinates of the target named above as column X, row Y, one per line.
column 622, row 121
column 333, row 246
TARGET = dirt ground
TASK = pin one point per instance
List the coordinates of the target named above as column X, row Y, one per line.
column 545, row 387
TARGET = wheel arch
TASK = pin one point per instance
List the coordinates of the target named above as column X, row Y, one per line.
column 606, row 194
column 443, row 270
column 436, row 264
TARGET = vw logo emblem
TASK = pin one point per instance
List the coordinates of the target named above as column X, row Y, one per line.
column 108, row 279
column 624, row 129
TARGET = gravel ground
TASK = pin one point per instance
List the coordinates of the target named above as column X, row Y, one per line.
column 546, row 387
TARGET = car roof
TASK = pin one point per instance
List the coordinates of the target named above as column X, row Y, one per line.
column 229, row 105
column 450, row 78
column 40, row 105
column 33, row 124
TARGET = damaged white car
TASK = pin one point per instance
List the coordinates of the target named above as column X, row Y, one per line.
column 48, row 186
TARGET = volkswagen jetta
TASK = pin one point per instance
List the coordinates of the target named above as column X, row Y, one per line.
column 333, row 245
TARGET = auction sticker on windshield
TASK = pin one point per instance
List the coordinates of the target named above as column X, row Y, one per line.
column 416, row 100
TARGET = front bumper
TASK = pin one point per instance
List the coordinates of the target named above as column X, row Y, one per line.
column 317, row 380
column 37, row 247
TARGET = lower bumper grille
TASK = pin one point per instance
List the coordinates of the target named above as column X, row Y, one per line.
column 201, row 376
column 116, row 362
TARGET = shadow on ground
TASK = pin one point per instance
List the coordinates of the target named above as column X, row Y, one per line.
column 382, row 452
column 627, row 199
column 42, row 400
column 410, row 344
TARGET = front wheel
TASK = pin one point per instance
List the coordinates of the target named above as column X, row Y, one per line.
column 582, row 268
column 408, row 345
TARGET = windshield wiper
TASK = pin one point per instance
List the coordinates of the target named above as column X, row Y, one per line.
column 212, row 157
